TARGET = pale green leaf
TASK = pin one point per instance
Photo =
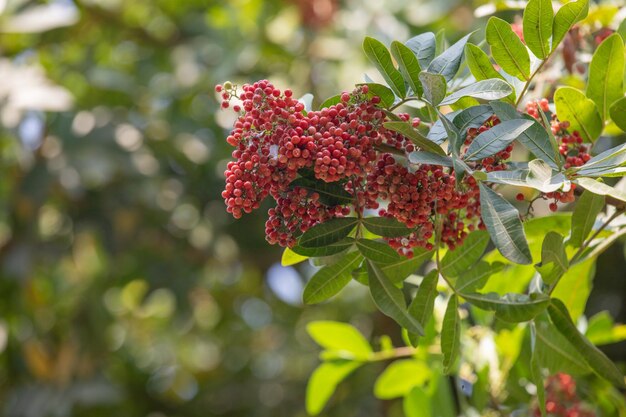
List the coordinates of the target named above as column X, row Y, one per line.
column 581, row 112
column 490, row 89
column 435, row 87
column 291, row 258
column 507, row 49
column 606, row 74
column 340, row 337
column 513, row 308
column 459, row 260
column 588, row 207
column 408, row 66
column 496, row 139
column 448, row 62
column 617, row 111
column 537, row 27
column 324, row 381
column 451, row 334
column 566, row 17
column 400, row 377
column 381, row 58
column 554, row 262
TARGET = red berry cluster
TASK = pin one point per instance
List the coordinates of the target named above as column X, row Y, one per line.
column 346, row 144
column 562, row 399
column 570, row 147
column 296, row 211
column 415, row 198
column 491, row 163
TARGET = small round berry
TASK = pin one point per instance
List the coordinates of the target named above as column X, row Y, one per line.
column 553, row 207
column 218, row 88
column 519, row 197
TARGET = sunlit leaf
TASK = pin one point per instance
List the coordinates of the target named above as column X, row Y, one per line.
column 324, row 381
column 491, row 89
column 507, row 49
column 459, row 260
column 408, row 66
column 587, row 208
column 381, row 58
column 513, row 308
column 331, row 279
column 606, row 74
column 537, row 26
column 400, row 377
column 339, row 337
column 328, row 232
column 581, row 112
column 566, row 17
column 451, row 334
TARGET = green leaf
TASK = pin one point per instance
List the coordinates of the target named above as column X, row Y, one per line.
column 575, row 287
column 617, row 111
column 554, row 260
column 340, row 337
column 385, row 226
column 331, row 249
column 291, row 258
column 451, row 334
column 417, row 403
column 328, row 232
column 601, row 188
column 454, row 138
column 387, row 97
column 537, row 27
column 408, row 66
column 604, row 162
column 324, row 381
column 448, row 63
column 476, row 277
column 459, row 260
column 472, row 117
column 423, row 157
column 479, row 64
column 491, row 89
column 331, row 279
column 507, row 49
column 378, row 252
column 390, row 300
column 410, row 132
column 591, row 354
column 331, row 193
column 400, row 377
column 536, row 139
column 504, row 226
column 331, row 101
column 434, row 87
column 404, row 266
column 424, row 48
column 536, row 373
column 422, row 305
column 566, row 17
column 437, row 132
column 588, row 207
column 581, row 112
column 554, row 352
column 606, row 74
column 542, row 178
column 381, row 58
column 512, row 308
column 496, row 139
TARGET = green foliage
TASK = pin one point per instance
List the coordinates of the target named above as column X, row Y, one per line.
column 327, row 233
column 581, row 112
column 584, row 217
column 569, row 14
column 460, row 260
column 537, row 27
column 451, row 334
column 331, row 279
column 507, row 49
column 381, row 58
column 606, row 74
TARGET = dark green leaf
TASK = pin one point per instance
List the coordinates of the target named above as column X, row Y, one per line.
column 617, row 112
column 496, row 139
column 566, row 16
column 451, row 334
column 491, row 89
column 327, row 250
column 581, row 112
column 408, row 66
column 454, row 137
column 323, row 382
column 437, row 132
column 591, row 354
column 512, row 308
column 554, row 352
column 537, row 26
column 587, row 209
column 423, row 46
column 604, row 162
column 476, row 277
column 606, row 74
column 422, row 305
column 390, row 299
column 378, row 252
column 410, row 132
column 404, row 266
column 459, row 260
column 435, row 87
column 381, row 58
column 385, row 226
column 472, row 117
column 507, row 49
column 448, row 63
column 504, row 226
column 331, row 193
column 331, row 279
column 328, row 232
column 423, row 157
column 554, row 260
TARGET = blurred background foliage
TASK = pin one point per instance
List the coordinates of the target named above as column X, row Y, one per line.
column 125, row 288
